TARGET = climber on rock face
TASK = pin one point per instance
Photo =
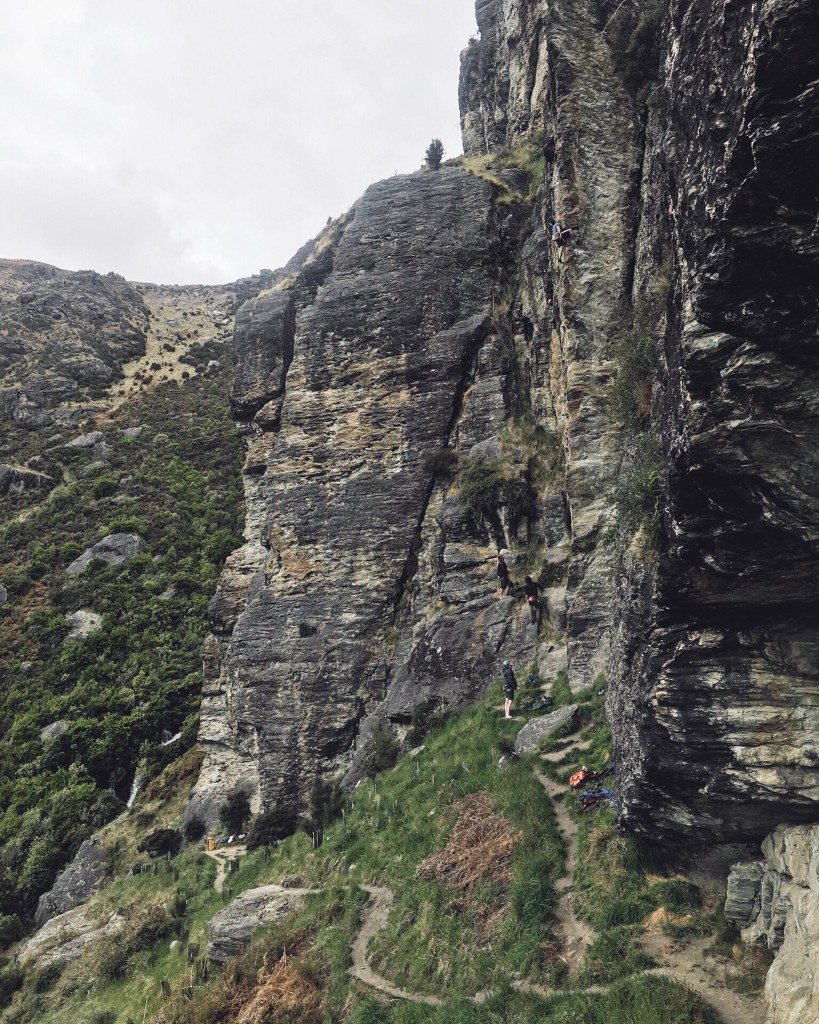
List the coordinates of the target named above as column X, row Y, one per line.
column 531, row 590
column 560, row 235
column 510, row 685
column 503, row 574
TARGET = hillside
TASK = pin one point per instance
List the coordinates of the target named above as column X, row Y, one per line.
column 248, row 572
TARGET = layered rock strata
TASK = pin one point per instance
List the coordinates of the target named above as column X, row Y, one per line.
column 715, row 692
column 353, row 372
column 775, row 903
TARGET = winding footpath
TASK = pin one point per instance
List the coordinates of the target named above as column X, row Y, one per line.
column 685, row 965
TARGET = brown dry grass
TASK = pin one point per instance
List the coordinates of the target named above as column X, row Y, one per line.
column 287, row 992
column 479, row 849
column 266, row 984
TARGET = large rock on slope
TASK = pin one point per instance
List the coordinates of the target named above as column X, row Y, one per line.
column 714, row 699
column 114, row 549
column 776, row 904
column 86, row 873
column 230, row 930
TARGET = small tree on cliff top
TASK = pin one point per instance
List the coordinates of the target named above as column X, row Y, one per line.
column 435, row 154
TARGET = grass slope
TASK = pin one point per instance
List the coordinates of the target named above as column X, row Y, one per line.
column 438, row 938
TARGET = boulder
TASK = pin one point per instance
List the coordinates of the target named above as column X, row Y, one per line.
column 776, row 904
column 83, row 622
column 15, row 479
column 63, row 938
column 4, row 595
column 89, row 440
column 54, row 730
column 114, row 549
column 133, row 431
column 83, row 877
column 231, row 929
column 533, row 733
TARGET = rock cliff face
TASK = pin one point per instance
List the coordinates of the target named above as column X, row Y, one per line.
column 438, row 313
column 63, row 338
column 374, row 351
column 776, row 904
column 716, row 675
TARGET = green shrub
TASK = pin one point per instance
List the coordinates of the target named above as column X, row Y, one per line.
column 633, row 33
column 440, row 463
column 194, row 829
column 485, row 485
column 11, row 979
column 630, row 393
column 382, row 753
column 324, row 804
column 434, row 154
column 235, row 811
column 11, row 929
column 268, row 828
column 676, row 895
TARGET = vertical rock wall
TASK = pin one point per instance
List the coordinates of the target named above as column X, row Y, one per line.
column 715, row 692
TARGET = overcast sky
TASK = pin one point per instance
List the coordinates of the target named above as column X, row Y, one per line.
column 183, row 141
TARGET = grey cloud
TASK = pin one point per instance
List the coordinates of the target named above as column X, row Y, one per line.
column 197, row 141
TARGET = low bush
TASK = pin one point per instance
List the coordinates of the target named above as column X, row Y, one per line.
column 268, row 828
column 194, row 829
column 440, row 463
column 383, row 751
column 235, row 811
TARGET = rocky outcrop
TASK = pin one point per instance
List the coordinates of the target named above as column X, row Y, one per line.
column 539, row 729
column 776, row 904
column 715, row 682
column 435, row 321
column 16, row 479
column 86, row 873
column 63, row 939
column 114, row 549
column 64, row 337
column 230, row 930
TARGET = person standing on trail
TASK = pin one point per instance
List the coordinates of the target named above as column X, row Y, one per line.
column 510, row 685
column 531, row 589
column 503, row 574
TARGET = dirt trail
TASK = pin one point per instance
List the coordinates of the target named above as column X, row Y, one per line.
column 574, row 933
column 222, row 859
column 375, row 918
column 688, row 965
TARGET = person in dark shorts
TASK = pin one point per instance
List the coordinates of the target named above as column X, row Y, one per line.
column 510, row 685
column 531, row 590
column 503, row 574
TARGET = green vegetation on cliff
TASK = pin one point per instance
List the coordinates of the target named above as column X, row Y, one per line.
column 116, row 691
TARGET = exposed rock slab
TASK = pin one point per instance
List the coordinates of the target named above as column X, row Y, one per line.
column 84, row 876
column 83, row 623
column 115, row 549
column 63, row 938
column 231, row 929
column 538, row 729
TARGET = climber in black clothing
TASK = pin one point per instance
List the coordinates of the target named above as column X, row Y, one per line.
column 503, row 574
column 531, row 590
column 510, row 685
